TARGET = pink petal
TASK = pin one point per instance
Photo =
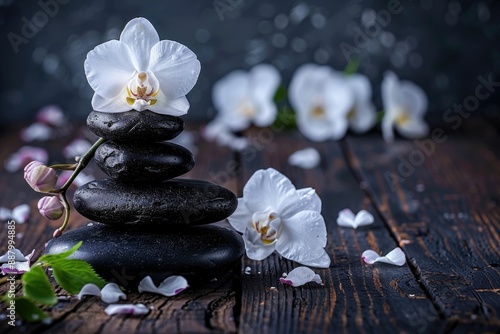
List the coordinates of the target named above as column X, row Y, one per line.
column 19, row 159
column 171, row 286
column 134, row 309
column 300, row 276
column 52, row 115
column 36, row 131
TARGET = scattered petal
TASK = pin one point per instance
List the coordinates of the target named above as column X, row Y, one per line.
column 51, row 115
column 171, row 286
column 395, row 257
column 300, row 276
column 306, row 158
column 21, row 263
column 76, row 148
column 36, row 132
column 19, row 159
column 248, row 270
column 110, row 293
column 20, row 214
column 346, row 218
column 219, row 132
column 133, row 309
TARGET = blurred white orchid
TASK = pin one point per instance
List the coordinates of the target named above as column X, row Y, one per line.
column 242, row 98
column 362, row 115
column 322, row 102
column 220, row 133
column 405, row 105
column 274, row 215
column 141, row 72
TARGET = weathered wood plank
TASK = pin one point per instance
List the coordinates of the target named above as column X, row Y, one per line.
column 443, row 209
column 208, row 309
column 355, row 296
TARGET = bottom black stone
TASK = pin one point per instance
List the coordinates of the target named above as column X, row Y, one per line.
column 124, row 256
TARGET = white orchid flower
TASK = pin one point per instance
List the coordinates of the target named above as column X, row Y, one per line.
column 405, row 105
column 274, row 215
column 141, row 72
column 322, row 102
column 362, row 115
column 21, row 263
column 242, row 98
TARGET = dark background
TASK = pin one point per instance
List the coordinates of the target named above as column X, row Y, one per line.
column 441, row 45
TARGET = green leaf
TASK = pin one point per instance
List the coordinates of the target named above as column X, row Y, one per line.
column 73, row 274
column 47, row 259
column 380, row 115
column 351, row 67
column 28, row 310
column 286, row 119
column 280, row 94
column 37, row 286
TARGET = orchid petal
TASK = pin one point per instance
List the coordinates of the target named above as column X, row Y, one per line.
column 414, row 98
column 111, row 105
column 176, row 68
column 346, row 218
column 111, row 293
column 269, row 189
column 241, row 217
column 306, row 158
column 52, row 115
column 309, row 200
column 76, row 148
column 36, row 131
column 255, row 248
column 264, row 79
column 133, row 309
column 300, row 276
column 171, row 286
column 413, row 129
column 229, row 91
column 174, row 107
column 387, row 127
column 303, row 237
column 364, row 218
column 314, row 129
column 89, row 289
column 395, row 257
column 323, row 261
column 364, row 117
column 266, row 113
column 140, row 36
column 20, row 266
column 307, row 82
column 18, row 256
column 21, row 213
column 108, row 68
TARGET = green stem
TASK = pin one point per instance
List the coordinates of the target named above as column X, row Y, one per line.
column 78, row 167
column 64, row 166
column 82, row 163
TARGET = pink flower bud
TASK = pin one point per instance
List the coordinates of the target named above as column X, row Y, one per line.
column 40, row 177
column 50, row 207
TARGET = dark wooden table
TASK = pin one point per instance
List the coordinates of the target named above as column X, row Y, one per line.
column 443, row 210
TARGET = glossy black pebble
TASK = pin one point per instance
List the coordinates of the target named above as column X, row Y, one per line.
column 200, row 253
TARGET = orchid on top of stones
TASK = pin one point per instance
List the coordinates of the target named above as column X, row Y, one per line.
column 141, row 72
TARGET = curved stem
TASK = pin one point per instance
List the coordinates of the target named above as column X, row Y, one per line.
column 82, row 163
column 78, row 167
column 64, row 166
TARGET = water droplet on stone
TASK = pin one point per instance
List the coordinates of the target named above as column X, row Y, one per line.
column 90, row 224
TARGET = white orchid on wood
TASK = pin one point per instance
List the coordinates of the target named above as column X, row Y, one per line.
column 275, row 216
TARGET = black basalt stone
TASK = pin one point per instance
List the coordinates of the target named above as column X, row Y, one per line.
column 126, row 256
column 135, row 126
column 178, row 202
column 151, row 162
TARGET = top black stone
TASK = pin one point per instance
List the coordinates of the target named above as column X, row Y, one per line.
column 135, row 126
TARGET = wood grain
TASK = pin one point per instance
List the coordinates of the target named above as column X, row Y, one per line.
column 444, row 213
column 355, row 296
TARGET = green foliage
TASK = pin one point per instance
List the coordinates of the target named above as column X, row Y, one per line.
column 280, row 94
column 70, row 274
column 37, row 286
column 351, row 67
column 29, row 311
column 286, row 119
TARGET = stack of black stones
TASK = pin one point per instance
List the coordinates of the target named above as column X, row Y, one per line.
column 145, row 222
